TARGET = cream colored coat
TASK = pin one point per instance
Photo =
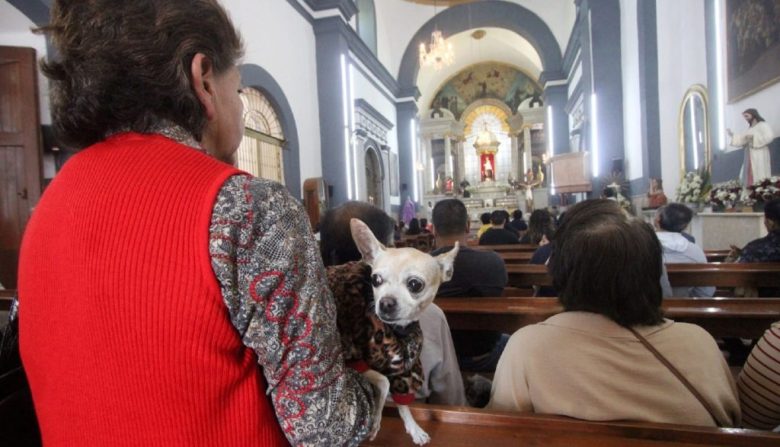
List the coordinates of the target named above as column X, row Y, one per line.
column 584, row 365
column 756, row 139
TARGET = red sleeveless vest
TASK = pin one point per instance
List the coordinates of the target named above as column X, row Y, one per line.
column 123, row 331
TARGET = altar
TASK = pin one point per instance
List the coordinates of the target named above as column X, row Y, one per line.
column 718, row 231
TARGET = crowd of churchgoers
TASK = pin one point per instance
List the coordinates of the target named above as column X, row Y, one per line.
column 196, row 308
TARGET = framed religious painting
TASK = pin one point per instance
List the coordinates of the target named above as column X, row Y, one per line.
column 752, row 46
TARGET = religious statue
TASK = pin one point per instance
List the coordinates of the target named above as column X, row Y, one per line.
column 464, row 184
column 448, row 184
column 488, row 169
column 656, row 197
column 755, row 140
column 531, row 181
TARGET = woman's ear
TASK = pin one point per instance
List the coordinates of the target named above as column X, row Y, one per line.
column 202, row 72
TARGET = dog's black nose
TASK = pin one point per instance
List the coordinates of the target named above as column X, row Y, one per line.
column 388, row 306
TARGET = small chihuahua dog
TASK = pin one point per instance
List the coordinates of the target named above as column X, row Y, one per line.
column 404, row 282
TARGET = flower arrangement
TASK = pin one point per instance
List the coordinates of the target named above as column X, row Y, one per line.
column 694, row 187
column 726, row 194
column 764, row 190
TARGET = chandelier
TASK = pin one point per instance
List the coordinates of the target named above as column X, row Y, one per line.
column 439, row 53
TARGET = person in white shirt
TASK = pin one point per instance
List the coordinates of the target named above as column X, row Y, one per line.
column 670, row 221
column 755, row 140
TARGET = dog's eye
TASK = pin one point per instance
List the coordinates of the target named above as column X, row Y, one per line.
column 376, row 280
column 415, row 285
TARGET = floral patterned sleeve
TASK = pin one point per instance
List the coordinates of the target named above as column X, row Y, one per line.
column 273, row 283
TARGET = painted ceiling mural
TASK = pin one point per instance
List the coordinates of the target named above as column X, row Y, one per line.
column 486, row 80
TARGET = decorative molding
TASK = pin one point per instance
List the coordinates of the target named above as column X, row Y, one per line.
column 573, row 46
column 347, row 8
column 301, row 10
column 372, row 121
column 360, row 50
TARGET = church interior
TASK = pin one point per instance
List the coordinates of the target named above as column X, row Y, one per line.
column 503, row 105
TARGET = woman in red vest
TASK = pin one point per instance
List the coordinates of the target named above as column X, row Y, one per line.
column 167, row 298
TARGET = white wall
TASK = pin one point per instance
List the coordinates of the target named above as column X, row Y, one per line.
column 632, row 112
column 278, row 39
column 15, row 32
column 682, row 62
column 765, row 101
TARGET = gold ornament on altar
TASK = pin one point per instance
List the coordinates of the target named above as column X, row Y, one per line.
column 486, row 145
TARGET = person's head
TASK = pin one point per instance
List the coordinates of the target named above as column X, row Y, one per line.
column 540, row 224
column 517, row 214
column 673, row 217
column 450, row 218
column 752, row 116
column 606, row 262
column 336, row 243
column 414, row 227
column 498, row 217
column 128, row 65
column 608, row 193
column 423, row 223
column 772, row 215
column 484, row 218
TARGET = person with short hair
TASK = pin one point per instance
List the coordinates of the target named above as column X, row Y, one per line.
column 485, row 219
column 670, row 221
column 476, row 273
column 414, row 227
column 442, row 383
column 167, row 297
column 518, row 223
column 497, row 234
column 586, row 362
column 767, row 248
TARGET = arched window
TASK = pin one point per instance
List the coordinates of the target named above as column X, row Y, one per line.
column 260, row 152
column 366, row 23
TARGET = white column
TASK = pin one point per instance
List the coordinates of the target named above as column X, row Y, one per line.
column 426, row 161
column 527, row 161
column 461, row 171
column 447, row 157
column 513, row 167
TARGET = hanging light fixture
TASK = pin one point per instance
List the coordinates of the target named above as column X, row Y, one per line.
column 439, row 52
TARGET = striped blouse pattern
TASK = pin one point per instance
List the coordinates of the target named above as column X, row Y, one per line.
column 759, row 383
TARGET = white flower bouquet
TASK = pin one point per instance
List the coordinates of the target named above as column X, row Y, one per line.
column 694, row 187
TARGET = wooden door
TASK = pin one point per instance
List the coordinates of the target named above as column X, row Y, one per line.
column 20, row 153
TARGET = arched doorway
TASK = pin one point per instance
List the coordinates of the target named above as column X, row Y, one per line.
column 374, row 180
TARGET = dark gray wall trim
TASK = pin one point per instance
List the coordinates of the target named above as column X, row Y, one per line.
column 490, row 13
column 573, row 46
column 359, row 49
column 302, row 11
column 576, row 93
column 380, row 88
column 647, row 25
column 374, row 113
column 256, row 77
column 35, row 10
column 347, row 8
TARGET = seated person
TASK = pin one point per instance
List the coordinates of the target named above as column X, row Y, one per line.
column 767, row 248
column 497, row 234
column 478, row 273
column 518, row 223
column 540, row 223
column 759, row 383
column 485, row 219
column 442, row 382
column 414, row 227
column 670, row 221
column 588, row 362
column 424, row 226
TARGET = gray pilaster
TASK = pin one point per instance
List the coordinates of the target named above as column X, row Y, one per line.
column 555, row 96
column 405, row 113
column 331, row 45
column 647, row 24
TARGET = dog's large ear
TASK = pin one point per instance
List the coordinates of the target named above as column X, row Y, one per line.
column 447, row 262
column 366, row 243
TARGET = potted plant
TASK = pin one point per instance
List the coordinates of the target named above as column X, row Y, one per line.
column 694, row 188
column 763, row 191
column 725, row 196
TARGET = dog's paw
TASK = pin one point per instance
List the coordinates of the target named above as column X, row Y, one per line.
column 419, row 436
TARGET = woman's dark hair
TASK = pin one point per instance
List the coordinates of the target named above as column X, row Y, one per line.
column 336, row 243
column 127, row 65
column 540, row 224
column 414, row 227
column 608, row 263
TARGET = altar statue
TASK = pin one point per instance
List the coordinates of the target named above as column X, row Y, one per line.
column 656, row 197
column 755, row 140
column 488, row 169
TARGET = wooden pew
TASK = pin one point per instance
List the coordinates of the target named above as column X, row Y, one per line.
column 716, row 255
column 468, row 427
column 721, row 317
column 521, row 254
column 516, row 257
column 710, row 274
column 508, row 248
